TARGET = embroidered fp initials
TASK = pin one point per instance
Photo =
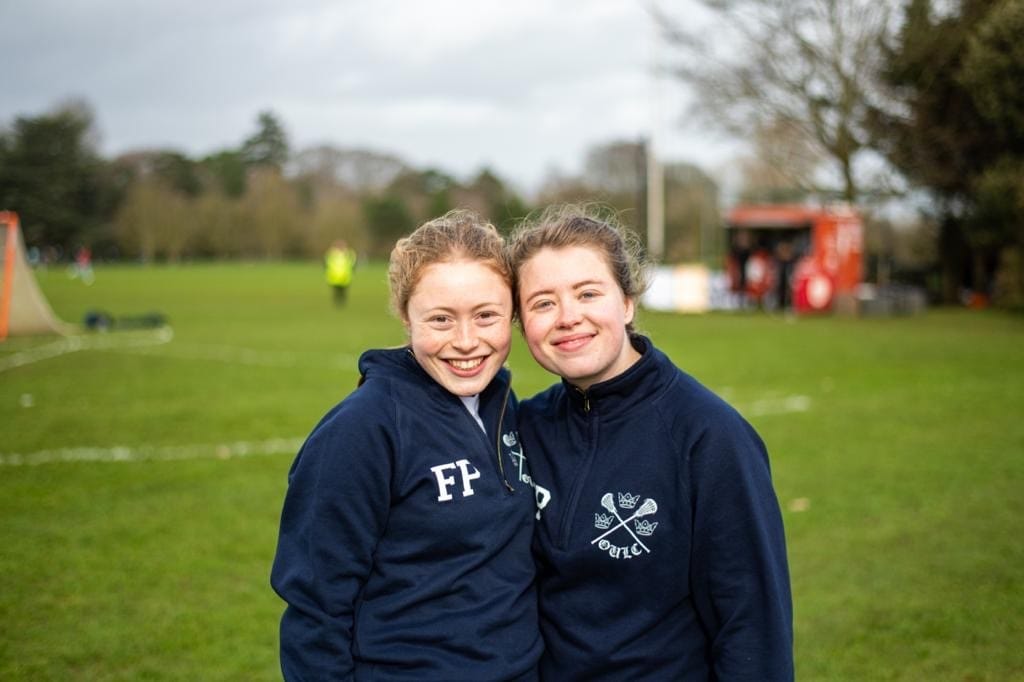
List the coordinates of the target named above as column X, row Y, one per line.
column 443, row 482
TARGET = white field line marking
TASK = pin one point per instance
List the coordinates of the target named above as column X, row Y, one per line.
column 773, row 406
column 158, row 345
column 165, row 453
column 121, row 453
column 73, row 344
column 243, row 356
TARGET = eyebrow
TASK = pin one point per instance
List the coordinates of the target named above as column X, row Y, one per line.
column 447, row 309
column 578, row 285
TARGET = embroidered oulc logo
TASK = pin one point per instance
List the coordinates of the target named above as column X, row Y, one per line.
column 641, row 527
column 541, row 494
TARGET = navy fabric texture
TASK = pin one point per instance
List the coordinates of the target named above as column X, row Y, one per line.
column 661, row 553
column 403, row 553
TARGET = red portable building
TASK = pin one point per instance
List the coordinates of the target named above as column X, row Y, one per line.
column 803, row 257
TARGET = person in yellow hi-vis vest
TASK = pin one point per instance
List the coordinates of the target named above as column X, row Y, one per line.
column 340, row 262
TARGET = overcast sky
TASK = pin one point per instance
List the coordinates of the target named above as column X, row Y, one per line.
column 521, row 86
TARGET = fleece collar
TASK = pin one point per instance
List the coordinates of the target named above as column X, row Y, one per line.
column 635, row 387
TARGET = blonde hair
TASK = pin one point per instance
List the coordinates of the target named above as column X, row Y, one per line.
column 565, row 225
column 458, row 234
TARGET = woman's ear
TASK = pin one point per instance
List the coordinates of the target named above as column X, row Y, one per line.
column 630, row 310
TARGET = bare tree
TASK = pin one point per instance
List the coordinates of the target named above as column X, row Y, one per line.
column 616, row 167
column 274, row 219
column 692, row 221
column 806, row 65
column 361, row 170
column 782, row 164
column 154, row 221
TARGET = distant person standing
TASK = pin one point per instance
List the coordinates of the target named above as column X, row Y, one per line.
column 340, row 262
column 785, row 258
column 81, row 268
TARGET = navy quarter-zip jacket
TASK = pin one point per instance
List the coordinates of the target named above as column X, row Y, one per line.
column 661, row 553
column 404, row 548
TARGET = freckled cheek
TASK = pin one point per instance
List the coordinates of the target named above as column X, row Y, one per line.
column 496, row 336
column 534, row 332
column 426, row 343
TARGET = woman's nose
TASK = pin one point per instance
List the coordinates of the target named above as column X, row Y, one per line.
column 568, row 314
column 465, row 336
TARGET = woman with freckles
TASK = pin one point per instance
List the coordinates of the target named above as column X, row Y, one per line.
column 404, row 547
column 659, row 544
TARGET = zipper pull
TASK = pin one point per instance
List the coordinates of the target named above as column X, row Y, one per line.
column 497, row 444
column 586, row 398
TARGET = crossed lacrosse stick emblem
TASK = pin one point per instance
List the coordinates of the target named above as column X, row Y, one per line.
column 608, row 502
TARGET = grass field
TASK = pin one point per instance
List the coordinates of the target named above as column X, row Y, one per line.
column 141, row 476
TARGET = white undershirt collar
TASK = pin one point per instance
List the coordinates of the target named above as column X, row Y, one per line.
column 472, row 403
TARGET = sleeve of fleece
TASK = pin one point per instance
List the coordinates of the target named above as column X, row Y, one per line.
column 334, row 513
column 739, row 572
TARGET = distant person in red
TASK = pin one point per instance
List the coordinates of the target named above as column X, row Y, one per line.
column 83, row 265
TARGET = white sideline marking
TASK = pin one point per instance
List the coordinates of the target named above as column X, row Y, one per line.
column 122, row 453
column 158, row 345
column 166, row 453
column 773, row 406
column 244, row 356
column 72, row 344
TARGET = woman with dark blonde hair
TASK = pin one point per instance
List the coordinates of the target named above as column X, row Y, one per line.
column 404, row 548
column 660, row 545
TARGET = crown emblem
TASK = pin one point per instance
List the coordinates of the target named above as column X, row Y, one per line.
column 509, row 439
column 645, row 527
column 627, row 501
column 602, row 521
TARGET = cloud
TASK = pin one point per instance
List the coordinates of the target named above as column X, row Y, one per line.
column 516, row 86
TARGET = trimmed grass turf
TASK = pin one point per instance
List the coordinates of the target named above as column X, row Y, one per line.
column 907, row 563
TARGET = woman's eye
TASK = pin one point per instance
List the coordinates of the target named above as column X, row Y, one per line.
column 487, row 316
column 541, row 305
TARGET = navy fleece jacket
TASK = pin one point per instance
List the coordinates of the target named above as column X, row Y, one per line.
column 403, row 553
column 660, row 550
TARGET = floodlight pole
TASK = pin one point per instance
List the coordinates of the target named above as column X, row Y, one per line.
column 655, row 206
column 655, row 172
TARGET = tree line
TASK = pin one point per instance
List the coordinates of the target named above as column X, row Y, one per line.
column 263, row 200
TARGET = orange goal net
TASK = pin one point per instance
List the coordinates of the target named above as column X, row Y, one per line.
column 24, row 309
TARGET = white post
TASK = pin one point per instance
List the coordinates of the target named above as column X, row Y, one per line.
column 655, row 173
column 655, row 205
